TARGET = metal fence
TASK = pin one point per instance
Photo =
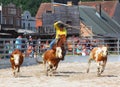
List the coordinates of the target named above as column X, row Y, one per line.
column 8, row 45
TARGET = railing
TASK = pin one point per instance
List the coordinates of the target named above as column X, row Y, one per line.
column 8, row 45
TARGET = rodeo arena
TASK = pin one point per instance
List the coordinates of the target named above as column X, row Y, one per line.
column 88, row 56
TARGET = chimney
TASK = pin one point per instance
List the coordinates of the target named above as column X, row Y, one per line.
column 69, row 3
column 98, row 9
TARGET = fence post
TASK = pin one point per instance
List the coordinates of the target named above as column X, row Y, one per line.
column 73, row 42
column 118, row 46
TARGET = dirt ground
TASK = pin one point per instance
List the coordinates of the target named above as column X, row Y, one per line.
column 68, row 75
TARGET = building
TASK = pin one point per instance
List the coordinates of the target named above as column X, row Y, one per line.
column 112, row 8
column 48, row 13
column 11, row 16
column 28, row 22
column 116, row 15
column 97, row 23
column 10, row 20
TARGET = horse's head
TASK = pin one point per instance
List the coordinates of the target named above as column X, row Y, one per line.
column 16, row 58
column 104, row 51
column 58, row 52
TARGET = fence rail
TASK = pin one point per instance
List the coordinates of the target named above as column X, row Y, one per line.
column 8, row 45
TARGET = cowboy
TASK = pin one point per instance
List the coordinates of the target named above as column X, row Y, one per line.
column 60, row 30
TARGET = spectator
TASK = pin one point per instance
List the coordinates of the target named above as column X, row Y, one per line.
column 30, row 47
column 18, row 43
column 78, row 48
column 85, row 51
column 46, row 45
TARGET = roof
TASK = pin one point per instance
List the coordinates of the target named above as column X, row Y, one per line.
column 42, row 9
column 116, row 15
column 5, row 34
column 107, row 6
column 25, row 31
column 101, row 24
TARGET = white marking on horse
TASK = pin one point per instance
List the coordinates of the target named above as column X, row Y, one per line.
column 104, row 50
column 58, row 52
column 97, row 53
column 16, row 58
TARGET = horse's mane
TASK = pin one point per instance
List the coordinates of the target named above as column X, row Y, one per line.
column 61, row 41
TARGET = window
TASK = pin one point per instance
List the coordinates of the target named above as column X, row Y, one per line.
column 11, row 20
column 27, row 17
column 48, row 11
column 23, row 25
column 17, row 22
column 4, row 20
column 11, row 11
column 28, row 25
column 69, row 22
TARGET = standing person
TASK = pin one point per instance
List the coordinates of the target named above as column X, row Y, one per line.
column 60, row 30
column 30, row 47
column 46, row 45
column 18, row 43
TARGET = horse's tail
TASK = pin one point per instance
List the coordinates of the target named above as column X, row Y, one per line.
column 43, row 55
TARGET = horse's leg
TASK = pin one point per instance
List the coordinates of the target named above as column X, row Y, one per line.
column 45, row 66
column 47, row 69
column 13, row 70
column 98, row 68
column 55, row 68
column 103, row 66
column 63, row 53
column 18, row 71
column 89, row 62
column 51, row 70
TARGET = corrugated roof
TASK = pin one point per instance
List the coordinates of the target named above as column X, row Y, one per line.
column 101, row 25
column 117, row 13
column 107, row 6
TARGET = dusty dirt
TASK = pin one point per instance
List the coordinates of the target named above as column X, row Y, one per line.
column 68, row 75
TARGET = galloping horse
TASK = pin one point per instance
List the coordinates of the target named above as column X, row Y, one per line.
column 98, row 54
column 53, row 56
column 16, row 60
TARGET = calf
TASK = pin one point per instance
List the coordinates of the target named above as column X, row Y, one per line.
column 16, row 60
column 98, row 54
column 51, row 59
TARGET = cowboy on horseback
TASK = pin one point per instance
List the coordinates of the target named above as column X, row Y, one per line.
column 60, row 30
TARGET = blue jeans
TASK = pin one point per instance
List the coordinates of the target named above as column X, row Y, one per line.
column 52, row 43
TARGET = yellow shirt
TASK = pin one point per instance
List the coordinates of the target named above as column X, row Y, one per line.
column 58, row 32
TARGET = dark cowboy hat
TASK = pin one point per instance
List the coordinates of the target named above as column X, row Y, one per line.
column 61, row 25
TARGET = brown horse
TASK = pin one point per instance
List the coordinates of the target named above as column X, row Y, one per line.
column 53, row 56
column 98, row 54
column 16, row 60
